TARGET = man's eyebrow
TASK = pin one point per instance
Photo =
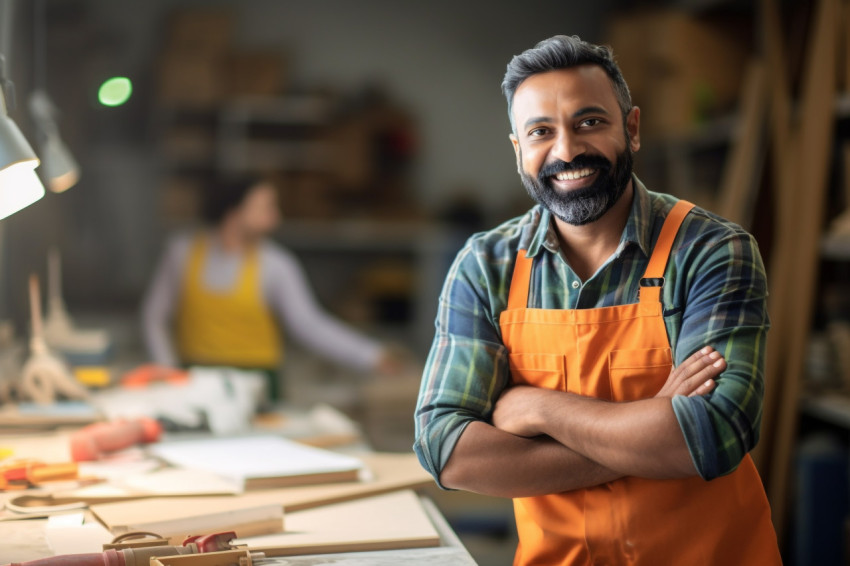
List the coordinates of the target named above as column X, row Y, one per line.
column 537, row 120
column 577, row 114
column 590, row 110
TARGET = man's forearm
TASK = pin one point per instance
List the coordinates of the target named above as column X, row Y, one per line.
column 639, row 438
column 489, row 461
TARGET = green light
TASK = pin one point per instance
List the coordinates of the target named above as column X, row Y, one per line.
column 115, row 91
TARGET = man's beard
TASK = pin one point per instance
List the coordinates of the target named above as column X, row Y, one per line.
column 587, row 204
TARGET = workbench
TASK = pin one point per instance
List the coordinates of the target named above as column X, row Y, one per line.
column 21, row 541
column 25, row 540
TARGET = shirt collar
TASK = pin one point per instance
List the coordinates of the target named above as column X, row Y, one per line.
column 638, row 228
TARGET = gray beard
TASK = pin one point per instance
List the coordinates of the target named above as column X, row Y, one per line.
column 588, row 204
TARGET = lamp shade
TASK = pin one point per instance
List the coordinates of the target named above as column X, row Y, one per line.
column 19, row 185
column 58, row 167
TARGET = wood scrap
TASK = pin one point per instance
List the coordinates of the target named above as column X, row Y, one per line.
column 781, row 265
column 815, row 131
column 175, row 519
column 739, row 185
column 385, row 522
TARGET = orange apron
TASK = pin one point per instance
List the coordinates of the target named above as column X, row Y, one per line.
column 622, row 353
column 232, row 327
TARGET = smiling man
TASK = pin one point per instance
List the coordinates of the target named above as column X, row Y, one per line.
column 600, row 359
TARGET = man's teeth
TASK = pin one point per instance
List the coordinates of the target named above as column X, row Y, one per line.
column 571, row 175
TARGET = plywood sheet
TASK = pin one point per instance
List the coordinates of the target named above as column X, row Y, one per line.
column 383, row 472
column 384, row 522
column 177, row 518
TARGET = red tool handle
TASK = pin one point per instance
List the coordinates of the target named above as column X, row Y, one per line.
column 95, row 440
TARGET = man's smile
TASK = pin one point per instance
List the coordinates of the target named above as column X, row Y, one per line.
column 574, row 178
column 572, row 175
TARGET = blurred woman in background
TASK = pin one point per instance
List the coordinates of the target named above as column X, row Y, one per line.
column 226, row 295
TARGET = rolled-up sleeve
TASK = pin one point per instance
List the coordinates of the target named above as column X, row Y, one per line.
column 726, row 308
column 466, row 368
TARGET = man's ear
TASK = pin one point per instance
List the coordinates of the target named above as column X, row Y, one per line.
column 517, row 152
column 633, row 128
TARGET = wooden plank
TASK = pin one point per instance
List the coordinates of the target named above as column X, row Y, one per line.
column 177, row 518
column 845, row 156
column 386, row 472
column 385, row 522
column 391, row 472
column 844, row 39
column 739, row 185
column 810, row 167
column 781, row 263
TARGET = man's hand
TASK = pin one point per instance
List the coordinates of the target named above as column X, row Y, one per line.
column 517, row 411
column 694, row 376
column 514, row 410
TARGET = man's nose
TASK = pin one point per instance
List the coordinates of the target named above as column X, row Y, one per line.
column 568, row 146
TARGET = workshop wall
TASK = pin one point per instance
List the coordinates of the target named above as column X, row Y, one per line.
column 440, row 61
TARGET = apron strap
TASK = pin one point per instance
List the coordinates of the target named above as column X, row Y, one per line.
column 518, row 296
column 653, row 277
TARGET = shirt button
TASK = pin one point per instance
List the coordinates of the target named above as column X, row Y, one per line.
column 576, row 284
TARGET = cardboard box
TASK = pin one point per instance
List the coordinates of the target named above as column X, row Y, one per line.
column 189, row 78
column 307, row 195
column 681, row 70
column 189, row 145
column 180, row 200
column 202, row 30
column 253, row 73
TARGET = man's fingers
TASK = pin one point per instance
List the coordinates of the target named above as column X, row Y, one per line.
column 703, row 380
column 699, row 357
column 704, row 388
column 696, row 375
column 696, row 362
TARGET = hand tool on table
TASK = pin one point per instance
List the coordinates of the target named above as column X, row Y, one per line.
column 147, row 374
column 23, row 474
column 144, row 552
column 96, row 440
column 44, row 375
column 80, row 347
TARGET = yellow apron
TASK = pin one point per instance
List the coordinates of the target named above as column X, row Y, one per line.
column 232, row 327
column 622, row 353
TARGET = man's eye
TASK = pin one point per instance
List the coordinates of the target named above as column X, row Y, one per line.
column 590, row 122
column 538, row 132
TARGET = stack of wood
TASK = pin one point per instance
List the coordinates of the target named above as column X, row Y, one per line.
column 798, row 137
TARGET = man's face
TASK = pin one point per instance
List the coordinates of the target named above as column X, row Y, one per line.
column 573, row 147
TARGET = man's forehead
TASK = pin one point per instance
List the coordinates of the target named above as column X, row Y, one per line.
column 582, row 85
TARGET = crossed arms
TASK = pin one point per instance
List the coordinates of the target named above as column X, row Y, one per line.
column 544, row 441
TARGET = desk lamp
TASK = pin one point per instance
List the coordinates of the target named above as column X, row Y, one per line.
column 19, row 184
column 58, row 166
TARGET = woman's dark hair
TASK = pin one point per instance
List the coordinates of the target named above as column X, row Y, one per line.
column 223, row 195
column 563, row 52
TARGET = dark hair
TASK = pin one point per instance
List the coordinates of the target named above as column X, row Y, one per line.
column 223, row 195
column 563, row 52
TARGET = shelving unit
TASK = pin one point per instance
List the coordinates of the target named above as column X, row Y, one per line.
column 689, row 165
column 832, row 408
column 333, row 251
column 279, row 134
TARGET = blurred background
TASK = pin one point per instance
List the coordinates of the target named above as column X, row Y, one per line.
column 384, row 128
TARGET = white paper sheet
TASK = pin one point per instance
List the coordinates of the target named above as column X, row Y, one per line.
column 251, row 457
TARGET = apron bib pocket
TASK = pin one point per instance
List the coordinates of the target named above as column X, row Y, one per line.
column 539, row 370
column 638, row 374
